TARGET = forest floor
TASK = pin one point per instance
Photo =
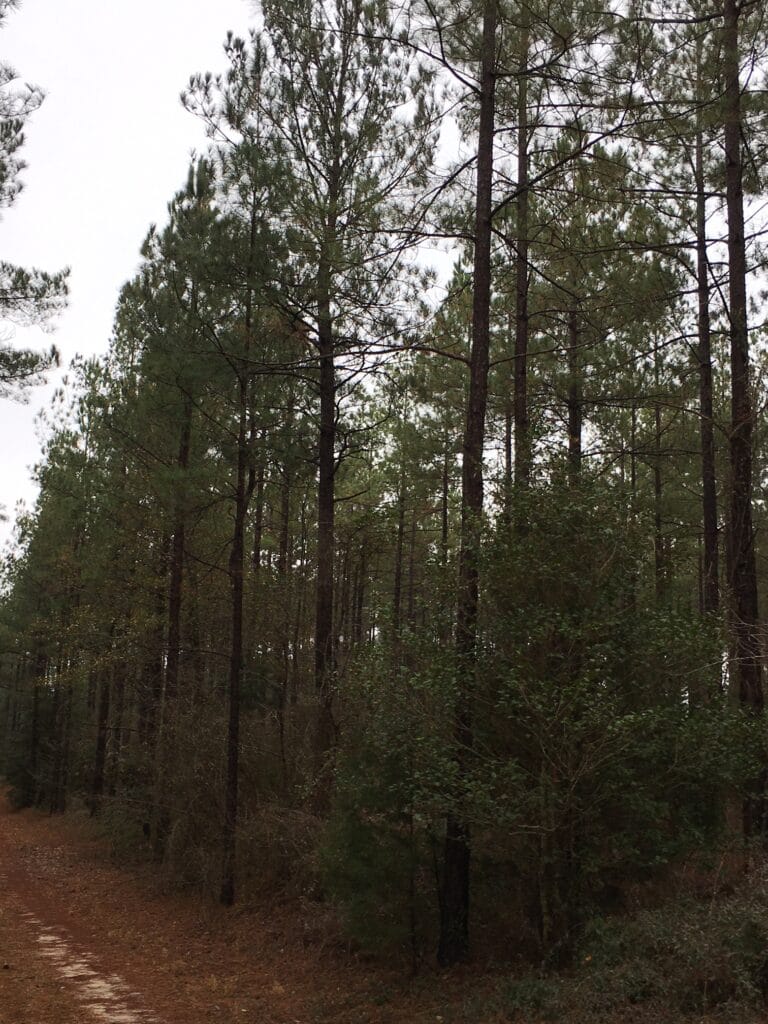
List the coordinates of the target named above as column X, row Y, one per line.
column 83, row 939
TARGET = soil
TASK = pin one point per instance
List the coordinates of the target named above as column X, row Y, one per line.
column 83, row 939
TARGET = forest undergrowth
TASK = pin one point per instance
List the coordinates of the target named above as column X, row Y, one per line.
column 690, row 945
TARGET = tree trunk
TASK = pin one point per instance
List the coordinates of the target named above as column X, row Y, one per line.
column 453, row 945
column 116, row 731
column 176, row 566
column 284, row 589
column 659, row 560
column 444, row 499
column 743, row 581
column 710, row 569
column 258, row 527
column 575, row 407
column 397, row 591
column 33, row 779
column 236, row 580
column 411, row 612
column 521, row 413
column 245, row 482
column 324, row 647
column 100, row 759
column 301, row 602
column 165, row 740
column 152, row 671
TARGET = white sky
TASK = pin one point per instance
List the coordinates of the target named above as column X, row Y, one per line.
column 105, row 153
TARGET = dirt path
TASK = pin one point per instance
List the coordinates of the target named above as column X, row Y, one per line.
column 54, row 969
column 84, row 941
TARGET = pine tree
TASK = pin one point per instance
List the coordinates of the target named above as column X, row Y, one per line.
column 27, row 295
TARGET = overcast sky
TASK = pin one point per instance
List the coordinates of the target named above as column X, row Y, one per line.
column 105, row 154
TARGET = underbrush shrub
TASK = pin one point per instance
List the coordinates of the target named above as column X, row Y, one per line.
column 380, row 847
column 604, row 751
column 28, row 784
column 193, row 795
column 602, row 712
column 686, row 960
column 277, row 852
column 694, row 955
column 122, row 827
column 532, row 996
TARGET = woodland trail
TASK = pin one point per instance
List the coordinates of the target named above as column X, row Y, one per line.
column 83, row 941
column 56, row 966
column 50, row 970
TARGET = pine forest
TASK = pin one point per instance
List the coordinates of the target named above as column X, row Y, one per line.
column 405, row 552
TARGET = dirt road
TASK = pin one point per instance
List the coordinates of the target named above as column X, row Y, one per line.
column 85, row 941
column 52, row 969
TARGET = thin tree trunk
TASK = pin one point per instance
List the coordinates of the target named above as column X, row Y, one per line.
column 52, row 780
column 300, row 605
column 236, row 579
column 397, row 590
column 176, row 566
column 743, row 582
column 575, row 404
column 633, row 458
column 324, row 647
column 411, row 613
column 63, row 772
column 33, row 780
column 444, row 497
column 710, row 567
column 453, row 945
column 245, row 482
column 166, row 734
column 341, row 618
column 100, row 759
column 152, row 673
column 522, row 327
column 660, row 562
column 116, row 731
column 284, row 585
column 258, row 527
column 359, row 604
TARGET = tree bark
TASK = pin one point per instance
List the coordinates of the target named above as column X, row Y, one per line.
column 165, row 740
column 453, row 944
column 176, row 566
column 324, row 647
column 659, row 552
column 575, row 408
column 100, row 759
column 710, row 569
column 236, row 581
column 397, row 590
column 521, row 413
column 743, row 570
column 743, row 573
column 245, row 482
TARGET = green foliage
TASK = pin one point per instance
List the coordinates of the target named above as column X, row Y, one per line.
column 532, row 995
column 378, row 846
column 604, row 748
column 695, row 954
column 606, row 705
column 27, row 296
column 364, row 863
